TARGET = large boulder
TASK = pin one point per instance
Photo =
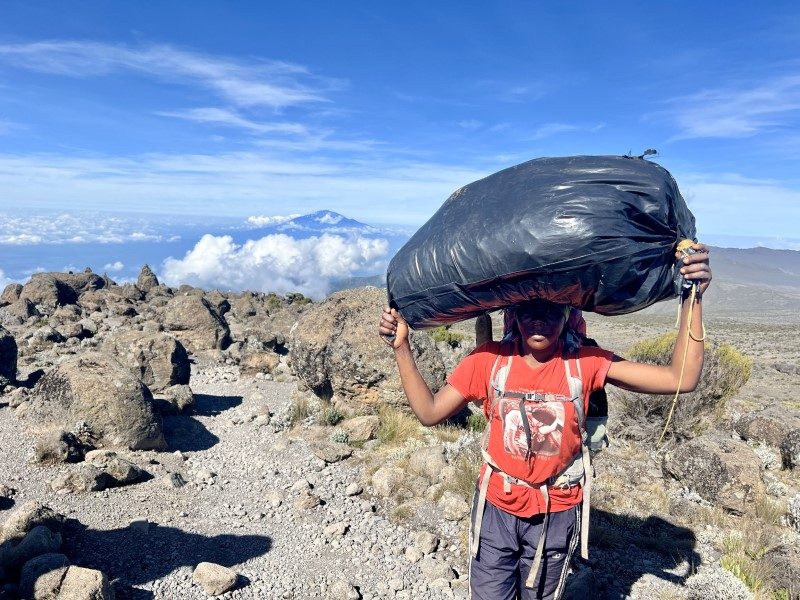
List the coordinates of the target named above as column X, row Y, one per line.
column 97, row 390
column 336, row 351
column 721, row 470
column 198, row 326
column 10, row 294
column 8, row 356
column 50, row 290
column 158, row 359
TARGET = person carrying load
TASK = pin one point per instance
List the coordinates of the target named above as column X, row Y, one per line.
column 531, row 502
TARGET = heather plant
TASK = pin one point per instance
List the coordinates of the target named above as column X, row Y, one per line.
column 641, row 416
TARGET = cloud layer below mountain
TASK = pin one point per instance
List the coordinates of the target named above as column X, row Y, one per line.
column 276, row 263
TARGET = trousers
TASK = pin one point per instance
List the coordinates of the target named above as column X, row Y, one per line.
column 506, row 550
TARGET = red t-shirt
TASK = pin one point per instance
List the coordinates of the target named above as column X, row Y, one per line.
column 554, row 431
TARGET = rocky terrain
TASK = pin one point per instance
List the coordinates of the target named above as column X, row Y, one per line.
column 181, row 443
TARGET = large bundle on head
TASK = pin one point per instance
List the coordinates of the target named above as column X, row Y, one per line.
column 595, row 232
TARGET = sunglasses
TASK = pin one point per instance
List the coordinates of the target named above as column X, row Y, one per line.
column 541, row 310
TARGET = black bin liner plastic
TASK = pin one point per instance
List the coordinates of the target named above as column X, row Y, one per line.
column 595, row 232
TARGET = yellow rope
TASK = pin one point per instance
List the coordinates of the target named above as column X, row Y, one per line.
column 683, row 366
column 682, row 246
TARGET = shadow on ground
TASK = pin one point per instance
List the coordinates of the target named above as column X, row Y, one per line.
column 135, row 557
column 206, row 405
column 187, row 434
column 623, row 549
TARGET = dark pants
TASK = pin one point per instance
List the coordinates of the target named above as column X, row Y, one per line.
column 506, row 550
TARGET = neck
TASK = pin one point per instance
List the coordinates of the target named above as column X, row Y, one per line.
column 539, row 356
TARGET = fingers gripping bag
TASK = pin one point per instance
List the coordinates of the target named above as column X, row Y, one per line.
column 595, row 232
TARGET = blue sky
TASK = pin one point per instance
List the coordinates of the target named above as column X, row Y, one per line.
column 380, row 110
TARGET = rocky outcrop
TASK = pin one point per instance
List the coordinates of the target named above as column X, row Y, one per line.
column 196, row 324
column 769, row 426
column 147, row 280
column 50, row 290
column 721, row 470
column 99, row 391
column 10, row 294
column 8, row 357
column 336, row 351
column 158, row 359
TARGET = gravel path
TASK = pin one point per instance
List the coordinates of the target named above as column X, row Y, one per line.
column 238, row 509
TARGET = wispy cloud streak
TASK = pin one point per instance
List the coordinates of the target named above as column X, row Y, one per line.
column 736, row 112
column 272, row 84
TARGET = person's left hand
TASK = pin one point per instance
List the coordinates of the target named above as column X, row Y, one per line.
column 696, row 266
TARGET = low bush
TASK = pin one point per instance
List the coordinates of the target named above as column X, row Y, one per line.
column 444, row 334
column 642, row 416
column 330, row 415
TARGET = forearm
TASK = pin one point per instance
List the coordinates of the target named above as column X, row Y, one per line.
column 419, row 395
column 693, row 366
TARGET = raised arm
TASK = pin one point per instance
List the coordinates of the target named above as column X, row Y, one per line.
column 654, row 379
column 430, row 408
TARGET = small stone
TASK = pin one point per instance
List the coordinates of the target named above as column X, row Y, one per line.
column 354, row 489
column 173, row 481
column 396, row 585
column 453, row 506
column 80, row 583
column 413, row 554
column 214, row 579
column 425, row 542
column 335, row 530
column 307, row 501
column 343, row 590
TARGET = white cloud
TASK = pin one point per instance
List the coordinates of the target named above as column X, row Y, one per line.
column 76, row 228
column 550, row 129
column 372, row 188
column 219, row 116
column 265, row 221
column 274, row 84
column 114, row 267
column 4, row 281
column 736, row 112
column 276, row 263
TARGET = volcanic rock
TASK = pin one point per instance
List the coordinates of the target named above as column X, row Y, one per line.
column 336, row 351
column 158, row 359
column 96, row 389
column 720, row 469
column 192, row 320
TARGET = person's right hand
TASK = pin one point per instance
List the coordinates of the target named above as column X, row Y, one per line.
column 393, row 325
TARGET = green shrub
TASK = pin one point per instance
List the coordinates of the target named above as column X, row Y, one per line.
column 330, row 415
column 340, row 436
column 297, row 298
column 443, row 334
column 642, row 416
column 476, row 422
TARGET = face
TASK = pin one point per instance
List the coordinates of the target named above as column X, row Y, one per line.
column 540, row 323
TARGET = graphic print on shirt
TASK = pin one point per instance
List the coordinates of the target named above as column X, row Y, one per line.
column 545, row 418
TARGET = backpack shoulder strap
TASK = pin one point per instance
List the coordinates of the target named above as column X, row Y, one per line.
column 576, row 391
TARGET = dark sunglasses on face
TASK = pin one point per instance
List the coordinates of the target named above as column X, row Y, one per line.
column 538, row 311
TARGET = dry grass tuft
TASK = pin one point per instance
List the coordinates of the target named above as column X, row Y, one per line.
column 465, row 474
column 397, row 427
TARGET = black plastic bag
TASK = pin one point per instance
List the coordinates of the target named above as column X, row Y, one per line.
column 595, row 232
